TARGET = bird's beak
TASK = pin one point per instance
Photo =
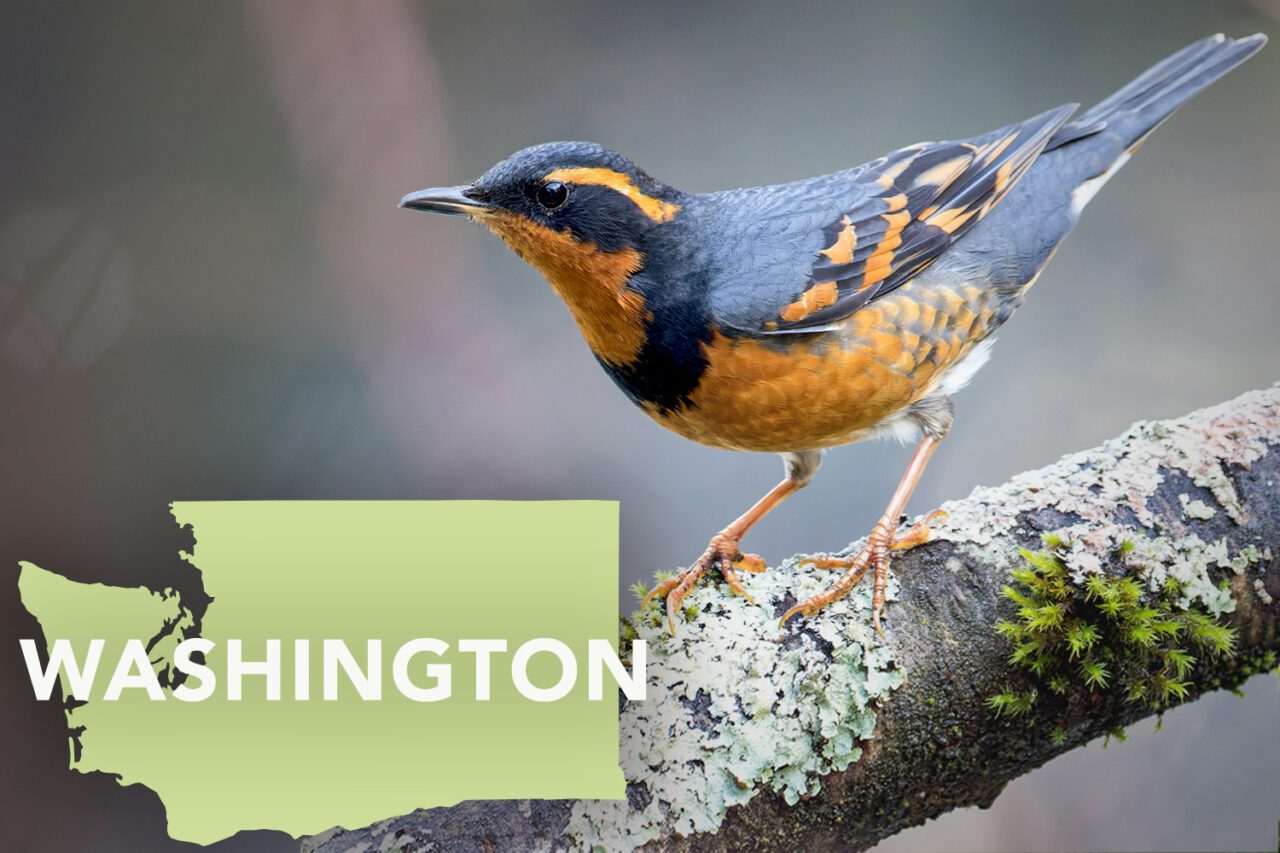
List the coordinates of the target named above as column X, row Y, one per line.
column 451, row 200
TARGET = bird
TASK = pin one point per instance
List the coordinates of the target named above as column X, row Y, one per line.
column 802, row 316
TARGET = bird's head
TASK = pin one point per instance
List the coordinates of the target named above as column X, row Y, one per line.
column 557, row 203
column 583, row 216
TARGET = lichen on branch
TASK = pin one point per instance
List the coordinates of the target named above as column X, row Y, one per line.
column 1158, row 581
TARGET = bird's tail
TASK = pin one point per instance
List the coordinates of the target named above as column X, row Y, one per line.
column 1129, row 115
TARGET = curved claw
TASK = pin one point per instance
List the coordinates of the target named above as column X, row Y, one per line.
column 724, row 555
column 673, row 604
column 685, row 582
column 855, row 568
column 875, row 623
column 823, row 562
column 731, row 578
column 799, row 608
column 874, row 555
column 659, row 589
column 737, row 588
column 881, row 562
column 919, row 533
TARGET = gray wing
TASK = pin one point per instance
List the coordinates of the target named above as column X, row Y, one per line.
column 813, row 252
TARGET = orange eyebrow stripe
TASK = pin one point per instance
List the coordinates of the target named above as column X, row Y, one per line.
column 654, row 208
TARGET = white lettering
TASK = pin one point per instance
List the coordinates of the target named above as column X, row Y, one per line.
column 520, row 670
column 182, row 661
column 482, row 650
column 443, row 687
column 600, row 654
column 134, row 670
column 62, row 657
column 302, row 670
column 238, row 667
column 367, row 682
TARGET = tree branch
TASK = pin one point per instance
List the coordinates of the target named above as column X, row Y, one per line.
column 827, row 737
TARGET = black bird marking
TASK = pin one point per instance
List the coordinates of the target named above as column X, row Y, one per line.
column 801, row 316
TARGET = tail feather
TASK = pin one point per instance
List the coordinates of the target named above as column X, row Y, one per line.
column 1131, row 113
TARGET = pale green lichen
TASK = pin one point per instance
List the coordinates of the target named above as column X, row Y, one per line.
column 1196, row 509
column 1188, row 560
column 729, row 717
column 1104, row 491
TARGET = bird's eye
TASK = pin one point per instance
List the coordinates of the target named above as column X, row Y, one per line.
column 552, row 194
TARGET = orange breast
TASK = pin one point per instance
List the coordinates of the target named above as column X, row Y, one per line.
column 591, row 282
column 832, row 388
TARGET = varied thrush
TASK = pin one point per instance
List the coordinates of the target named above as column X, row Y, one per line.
column 797, row 317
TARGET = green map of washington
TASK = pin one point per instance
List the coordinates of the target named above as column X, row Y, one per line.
column 316, row 751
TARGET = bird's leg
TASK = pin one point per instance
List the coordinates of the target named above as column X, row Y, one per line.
column 875, row 555
column 723, row 552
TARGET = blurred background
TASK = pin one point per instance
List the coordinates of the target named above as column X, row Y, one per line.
column 207, row 292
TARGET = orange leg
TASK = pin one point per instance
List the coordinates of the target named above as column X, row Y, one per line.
column 879, row 544
column 723, row 552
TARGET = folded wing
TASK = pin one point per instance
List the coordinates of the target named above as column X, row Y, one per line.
column 910, row 206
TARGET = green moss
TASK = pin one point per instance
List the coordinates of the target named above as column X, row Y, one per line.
column 639, row 590
column 1105, row 634
column 655, row 614
column 1010, row 703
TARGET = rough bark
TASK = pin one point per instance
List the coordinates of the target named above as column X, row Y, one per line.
column 729, row 753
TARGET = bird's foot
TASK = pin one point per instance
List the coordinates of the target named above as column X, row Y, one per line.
column 722, row 554
column 875, row 556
